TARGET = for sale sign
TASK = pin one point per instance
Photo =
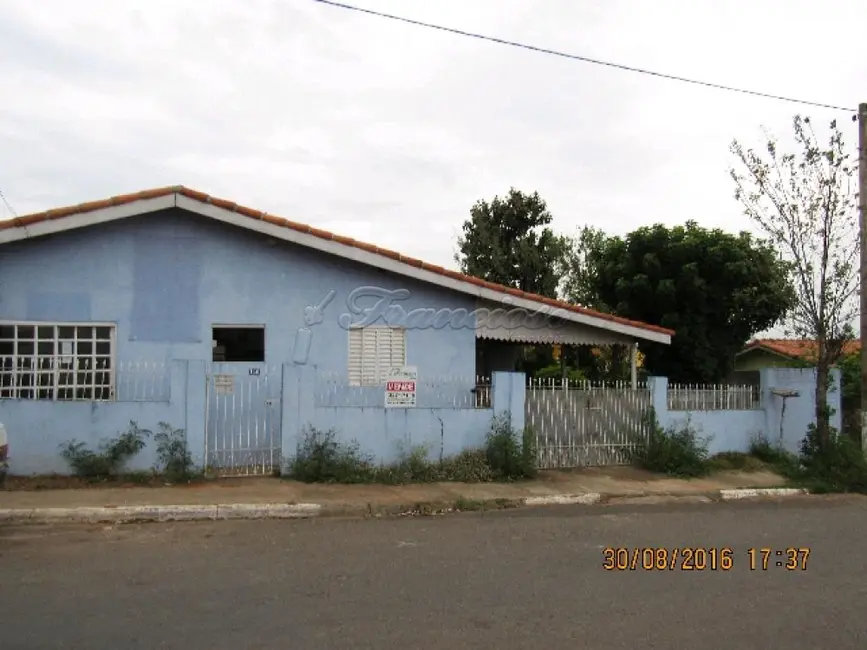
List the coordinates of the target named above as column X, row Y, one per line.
column 401, row 387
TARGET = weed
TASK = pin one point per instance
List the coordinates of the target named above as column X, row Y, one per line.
column 141, row 477
column 838, row 465
column 510, row 454
column 469, row 466
column 468, row 505
column 174, row 459
column 109, row 458
column 783, row 462
column 735, row 460
column 674, row 451
column 321, row 458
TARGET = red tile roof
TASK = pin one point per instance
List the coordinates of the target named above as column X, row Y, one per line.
column 802, row 349
column 60, row 213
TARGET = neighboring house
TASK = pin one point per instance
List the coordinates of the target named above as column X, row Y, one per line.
column 781, row 353
column 174, row 274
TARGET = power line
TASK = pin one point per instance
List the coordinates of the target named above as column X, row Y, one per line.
column 6, row 203
column 585, row 59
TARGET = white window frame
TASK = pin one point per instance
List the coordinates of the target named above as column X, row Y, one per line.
column 52, row 365
column 380, row 369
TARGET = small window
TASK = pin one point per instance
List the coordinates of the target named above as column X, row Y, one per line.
column 239, row 343
column 372, row 351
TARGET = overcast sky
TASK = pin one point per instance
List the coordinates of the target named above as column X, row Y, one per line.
column 387, row 132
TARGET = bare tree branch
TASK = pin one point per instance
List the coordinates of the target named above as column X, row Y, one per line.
column 805, row 202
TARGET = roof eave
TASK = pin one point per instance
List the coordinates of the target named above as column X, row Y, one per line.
column 226, row 212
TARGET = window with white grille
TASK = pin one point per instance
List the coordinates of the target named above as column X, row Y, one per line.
column 56, row 361
column 372, row 351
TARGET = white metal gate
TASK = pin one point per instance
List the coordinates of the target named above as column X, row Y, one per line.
column 579, row 424
column 242, row 414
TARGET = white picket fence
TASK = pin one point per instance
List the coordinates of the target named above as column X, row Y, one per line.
column 714, row 397
column 91, row 379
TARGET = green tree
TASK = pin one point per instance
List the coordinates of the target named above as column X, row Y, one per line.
column 713, row 288
column 508, row 241
column 580, row 268
column 805, row 203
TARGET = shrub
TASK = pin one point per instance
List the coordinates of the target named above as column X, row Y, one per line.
column 783, row 462
column 674, row 451
column 109, row 458
column 413, row 467
column 321, row 458
column 470, row 466
column 510, row 455
column 556, row 372
column 837, row 466
column 175, row 462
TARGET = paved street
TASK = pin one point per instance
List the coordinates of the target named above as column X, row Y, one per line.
column 508, row 580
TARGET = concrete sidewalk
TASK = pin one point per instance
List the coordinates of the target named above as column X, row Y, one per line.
column 269, row 497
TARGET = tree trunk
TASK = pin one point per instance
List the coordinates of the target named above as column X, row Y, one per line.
column 823, row 416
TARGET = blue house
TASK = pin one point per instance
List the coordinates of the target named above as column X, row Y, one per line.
column 243, row 328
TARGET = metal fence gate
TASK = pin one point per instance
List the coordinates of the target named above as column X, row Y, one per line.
column 242, row 415
column 579, row 424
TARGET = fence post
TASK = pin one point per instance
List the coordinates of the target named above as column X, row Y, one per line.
column 659, row 398
column 194, row 408
column 508, row 393
column 298, row 406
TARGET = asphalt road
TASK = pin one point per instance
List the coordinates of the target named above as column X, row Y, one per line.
column 507, row 580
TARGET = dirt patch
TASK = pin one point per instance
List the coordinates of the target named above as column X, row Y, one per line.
column 616, row 473
column 58, row 482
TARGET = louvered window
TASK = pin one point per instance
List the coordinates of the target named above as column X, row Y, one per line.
column 372, row 351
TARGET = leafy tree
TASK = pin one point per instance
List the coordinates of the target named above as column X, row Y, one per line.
column 805, row 203
column 507, row 241
column 713, row 288
column 850, row 394
column 580, row 268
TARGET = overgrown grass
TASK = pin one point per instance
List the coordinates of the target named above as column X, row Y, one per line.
column 468, row 505
column 779, row 460
column 678, row 452
column 322, row 458
column 735, row 461
column 837, row 466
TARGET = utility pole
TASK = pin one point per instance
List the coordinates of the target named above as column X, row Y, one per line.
column 862, row 216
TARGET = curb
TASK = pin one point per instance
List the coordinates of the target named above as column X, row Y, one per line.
column 128, row 514
column 753, row 493
column 589, row 499
column 122, row 514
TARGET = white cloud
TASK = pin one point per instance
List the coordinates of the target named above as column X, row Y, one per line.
column 389, row 132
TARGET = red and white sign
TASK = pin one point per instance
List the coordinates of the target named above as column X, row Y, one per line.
column 400, row 387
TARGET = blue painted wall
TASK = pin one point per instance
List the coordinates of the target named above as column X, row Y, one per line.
column 385, row 434
column 730, row 430
column 165, row 278
column 37, row 429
